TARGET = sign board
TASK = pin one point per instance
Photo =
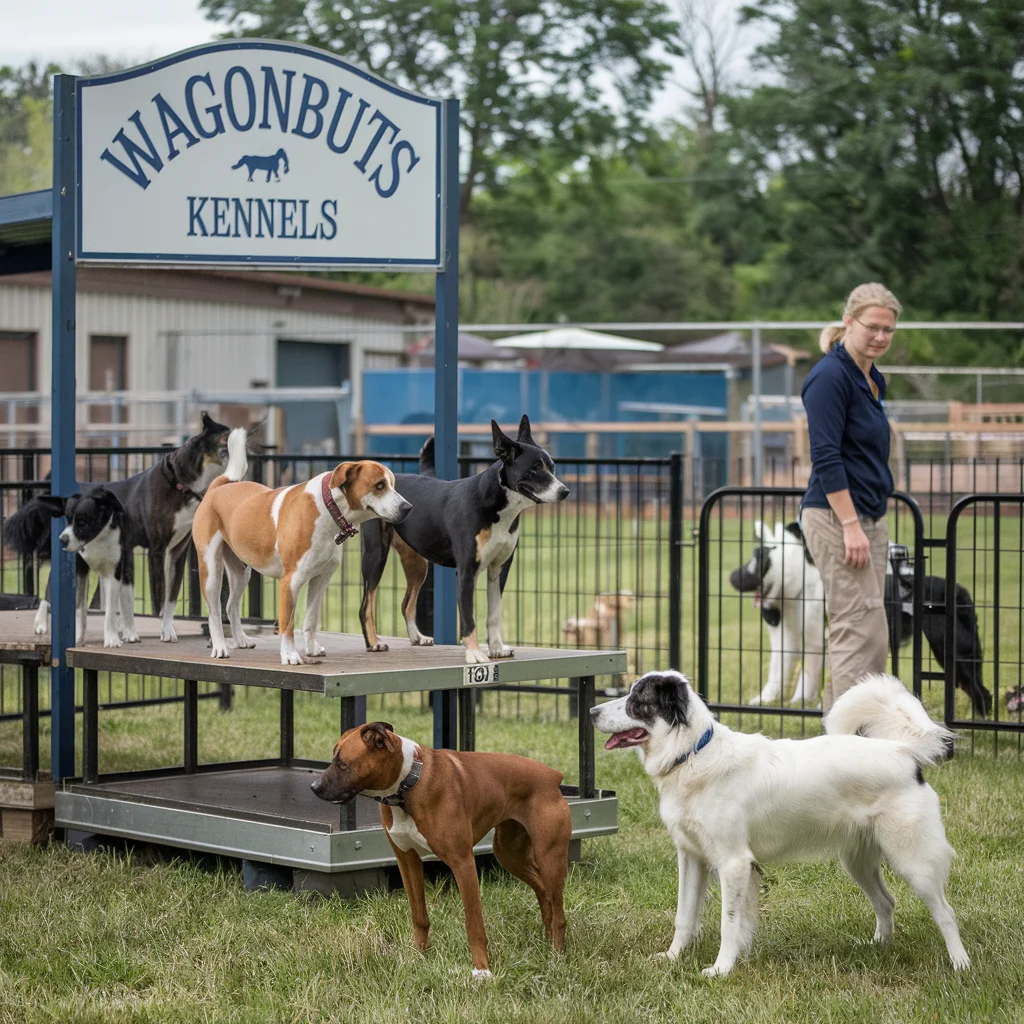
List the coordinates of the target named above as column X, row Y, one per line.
column 259, row 154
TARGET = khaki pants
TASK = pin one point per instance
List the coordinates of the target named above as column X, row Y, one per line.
column 858, row 635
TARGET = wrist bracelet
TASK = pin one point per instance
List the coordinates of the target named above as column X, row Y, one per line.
column 849, row 522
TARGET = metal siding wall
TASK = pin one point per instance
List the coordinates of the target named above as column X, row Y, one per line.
column 239, row 348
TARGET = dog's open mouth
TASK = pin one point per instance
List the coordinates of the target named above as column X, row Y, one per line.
column 629, row 738
column 757, row 598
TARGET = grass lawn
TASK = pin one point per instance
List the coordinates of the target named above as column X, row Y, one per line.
column 115, row 937
column 133, row 937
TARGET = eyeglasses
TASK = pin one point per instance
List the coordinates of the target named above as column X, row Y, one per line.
column 876, row 328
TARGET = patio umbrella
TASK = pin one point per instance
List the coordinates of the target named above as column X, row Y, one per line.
column 563, row 338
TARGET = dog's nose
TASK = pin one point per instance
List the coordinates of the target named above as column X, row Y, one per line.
column 594, row 712
column 563, row 492
column 404, row 509
column 64, row 538
column 317, row 786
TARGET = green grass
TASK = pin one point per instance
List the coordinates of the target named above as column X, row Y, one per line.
column 109, row 937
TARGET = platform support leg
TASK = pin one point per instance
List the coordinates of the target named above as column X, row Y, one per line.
column 30, row 722
column 353, row 713
column 287, row 726
column 191, row 753
column 586, row 734
column 90, row 725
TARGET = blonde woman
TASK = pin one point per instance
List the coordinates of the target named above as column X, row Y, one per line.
column 843, row 510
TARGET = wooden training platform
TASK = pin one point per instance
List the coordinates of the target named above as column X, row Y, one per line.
column 263, row 812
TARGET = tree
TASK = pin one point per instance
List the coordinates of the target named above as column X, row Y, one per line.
column 891, row 146
column 25, row 129
column 532, row 75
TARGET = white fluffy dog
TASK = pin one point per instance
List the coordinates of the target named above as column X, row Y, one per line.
column 789, row 593
column 733, row 801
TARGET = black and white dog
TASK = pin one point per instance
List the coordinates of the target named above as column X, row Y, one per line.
column 733, row 801
column 158, row 505
column 788, row 590
column 95, row 533
column 470, row 525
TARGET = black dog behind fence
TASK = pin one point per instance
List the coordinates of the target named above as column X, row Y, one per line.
column 638, row 559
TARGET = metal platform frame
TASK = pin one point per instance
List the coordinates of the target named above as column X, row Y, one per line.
column 262, row 811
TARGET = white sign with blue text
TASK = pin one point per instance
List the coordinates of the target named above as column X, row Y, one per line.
column 257, row 153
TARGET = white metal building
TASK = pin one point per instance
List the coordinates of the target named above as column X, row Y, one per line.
column 143, row 331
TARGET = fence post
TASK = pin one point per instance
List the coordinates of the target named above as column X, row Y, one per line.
column 675, row 561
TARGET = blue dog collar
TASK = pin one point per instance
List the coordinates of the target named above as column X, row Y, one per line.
column 701, row 744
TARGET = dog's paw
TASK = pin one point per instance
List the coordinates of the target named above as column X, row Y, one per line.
column 475, row 656
column 314, row 650
column 220, row 650
column 40, row 628
column 378, row 647
column 500, row 652
column 423, row 641
column 130, row 637
column 244, row 643
column 669, row 956
column 961, row 962
column 292, row 658
column 111, row 640
column 714, row 971
column 484, row 975
column 167, row 635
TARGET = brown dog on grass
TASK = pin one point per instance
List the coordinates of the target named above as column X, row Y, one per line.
column 442, row 803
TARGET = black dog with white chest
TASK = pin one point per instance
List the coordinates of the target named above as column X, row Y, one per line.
column 470, row 525
column 96, row 534
column 158, row 505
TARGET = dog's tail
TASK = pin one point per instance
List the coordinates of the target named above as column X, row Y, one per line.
column 427, row 458
column 238, row 463
column 881, row 707
column 27, row 531
column 239, row 164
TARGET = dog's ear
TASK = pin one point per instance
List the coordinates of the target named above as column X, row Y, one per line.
column 758, row 530
column 206, row 421
column 796, row 531
column 110, row 498
column 378, row 736
column 504, row 447
column 673, row 698
column 53, row 503
column 69, row 506
column 524, row 436
column 344, row 474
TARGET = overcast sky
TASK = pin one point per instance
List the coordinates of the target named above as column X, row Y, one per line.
column 64, row 31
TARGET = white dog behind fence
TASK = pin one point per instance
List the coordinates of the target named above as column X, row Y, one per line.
column 791, row 599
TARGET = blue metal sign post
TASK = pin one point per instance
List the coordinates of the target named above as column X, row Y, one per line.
column 446, row 408
column 402, row 159
column 62, row 430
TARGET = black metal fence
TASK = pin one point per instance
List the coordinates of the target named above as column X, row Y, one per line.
column 617, row 565
column 953, row 604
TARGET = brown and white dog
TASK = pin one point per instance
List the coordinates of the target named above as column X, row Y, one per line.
column 442, row 803
column 292, row 534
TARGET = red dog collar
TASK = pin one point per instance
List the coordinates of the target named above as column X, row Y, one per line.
column 346, row 528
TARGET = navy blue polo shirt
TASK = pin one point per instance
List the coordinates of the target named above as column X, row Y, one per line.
column 849, row 434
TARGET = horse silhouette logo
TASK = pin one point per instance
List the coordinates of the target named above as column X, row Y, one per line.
column 270, row 164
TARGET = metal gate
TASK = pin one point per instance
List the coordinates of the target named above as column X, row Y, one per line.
column 985, row 557
column 731, row 641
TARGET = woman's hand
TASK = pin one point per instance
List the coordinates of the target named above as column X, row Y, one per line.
column 858, row 547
